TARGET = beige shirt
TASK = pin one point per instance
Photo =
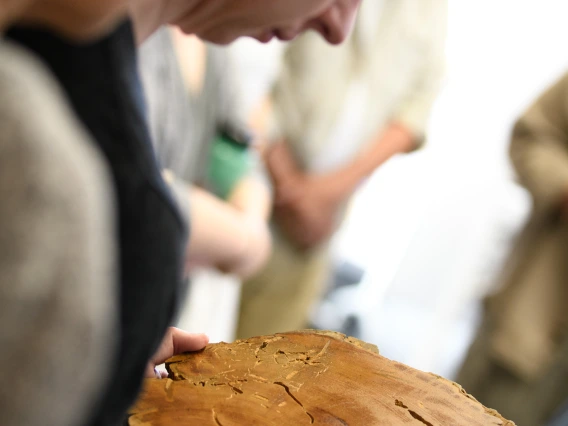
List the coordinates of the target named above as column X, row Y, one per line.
column 389, row 69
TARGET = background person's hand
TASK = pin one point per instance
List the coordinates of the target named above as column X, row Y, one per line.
column 175, row 342
column 305, row 206
column 304, row 231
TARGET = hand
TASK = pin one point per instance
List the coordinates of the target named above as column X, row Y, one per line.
column 303, row 231
column 175, row 342
column 309, row 216
column 255, row 251
column 287, row 176
column 306, row 206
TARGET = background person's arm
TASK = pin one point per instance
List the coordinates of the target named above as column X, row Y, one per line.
column 307, row 205
column 340, row 184
column 408, row 125
column 230, row 235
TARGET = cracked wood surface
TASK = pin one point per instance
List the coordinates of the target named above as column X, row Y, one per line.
column 302, row 378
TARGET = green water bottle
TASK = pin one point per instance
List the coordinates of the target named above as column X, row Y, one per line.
column 229, row 159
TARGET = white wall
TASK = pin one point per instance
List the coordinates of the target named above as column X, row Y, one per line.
column 432, row 228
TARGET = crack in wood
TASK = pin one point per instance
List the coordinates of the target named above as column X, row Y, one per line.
column 287, row 389
column 215, row 418
column 399, row 403
column 414, row 414
column 419, row 418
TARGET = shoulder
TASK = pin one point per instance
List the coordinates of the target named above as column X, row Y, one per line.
column 40, row 134
column 57, row 278
column 53, row 182
column 54, row 186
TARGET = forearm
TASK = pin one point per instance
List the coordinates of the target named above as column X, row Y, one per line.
column 252, row 198
column 216, row 234
column 393, row 140
column 225, row 237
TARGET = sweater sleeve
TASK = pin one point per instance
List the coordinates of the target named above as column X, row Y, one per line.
column 429, row 29
column 57, row 294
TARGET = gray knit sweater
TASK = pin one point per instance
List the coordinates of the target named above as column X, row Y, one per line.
column 57, row 284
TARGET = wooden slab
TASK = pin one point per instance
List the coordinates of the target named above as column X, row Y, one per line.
column 302, row 378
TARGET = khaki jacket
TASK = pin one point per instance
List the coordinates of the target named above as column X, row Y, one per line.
column 531, row 309
column 519, row 361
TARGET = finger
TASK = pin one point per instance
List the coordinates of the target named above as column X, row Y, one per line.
column 150, row 372
column 178, row 341
column 187, row 342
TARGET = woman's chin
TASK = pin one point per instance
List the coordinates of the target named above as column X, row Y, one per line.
column 265, row 37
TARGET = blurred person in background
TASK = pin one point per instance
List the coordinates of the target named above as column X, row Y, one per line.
column 90, row 48
column 199, row 132
column 518, row 363
column 337, row 114
column 229, row 225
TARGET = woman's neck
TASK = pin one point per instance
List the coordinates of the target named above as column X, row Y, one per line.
column 149, row 15
column 89, row 19
column 77, row 20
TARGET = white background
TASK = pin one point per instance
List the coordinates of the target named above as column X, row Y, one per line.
column 433, row 228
